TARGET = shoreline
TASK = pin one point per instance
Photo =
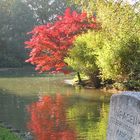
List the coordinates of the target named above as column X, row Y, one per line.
column 73, row 83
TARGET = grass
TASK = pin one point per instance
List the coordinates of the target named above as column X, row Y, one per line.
column 5, row 134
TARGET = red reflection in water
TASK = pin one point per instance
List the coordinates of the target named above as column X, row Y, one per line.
column 48, row 119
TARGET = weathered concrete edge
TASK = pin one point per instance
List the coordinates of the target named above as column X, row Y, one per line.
column 128, row 94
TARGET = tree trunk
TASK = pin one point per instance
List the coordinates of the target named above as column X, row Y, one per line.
column 96, row 81
column 79, row 78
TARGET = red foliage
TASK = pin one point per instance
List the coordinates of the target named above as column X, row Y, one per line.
column 48, row 119
column 50, row 43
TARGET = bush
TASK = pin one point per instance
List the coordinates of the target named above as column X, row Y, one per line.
column 114, row 50
column 83, row 55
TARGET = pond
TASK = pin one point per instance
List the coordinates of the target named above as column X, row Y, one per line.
column 51, row 110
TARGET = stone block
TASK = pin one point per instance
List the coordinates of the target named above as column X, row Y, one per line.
column 124, row 117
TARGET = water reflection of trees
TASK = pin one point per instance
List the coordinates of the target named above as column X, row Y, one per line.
column 90, row 119
column 67, row 118
column 48, row 119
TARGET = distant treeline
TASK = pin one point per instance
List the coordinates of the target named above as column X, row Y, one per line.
column 17, row 17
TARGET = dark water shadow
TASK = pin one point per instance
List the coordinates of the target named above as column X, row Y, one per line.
column 13, row 109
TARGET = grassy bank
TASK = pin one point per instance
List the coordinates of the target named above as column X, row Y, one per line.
column 5, row 134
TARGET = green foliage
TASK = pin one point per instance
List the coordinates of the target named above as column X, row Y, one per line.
column 119, row 57
column 119, row 60
column 114, row 49
column 16, row 20
column 85, row 5
column 132, row 84
column 5, row 134
column 82, row 57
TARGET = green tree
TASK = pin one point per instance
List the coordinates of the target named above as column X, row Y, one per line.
column 5, row 9
column 22, row 21
column 16, row 20
column 83, row 55
column 116, row 53
column 119, row 57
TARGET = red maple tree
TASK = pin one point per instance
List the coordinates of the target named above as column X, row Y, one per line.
column 50, row 43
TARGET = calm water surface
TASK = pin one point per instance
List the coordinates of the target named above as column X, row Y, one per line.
column 51, row 110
